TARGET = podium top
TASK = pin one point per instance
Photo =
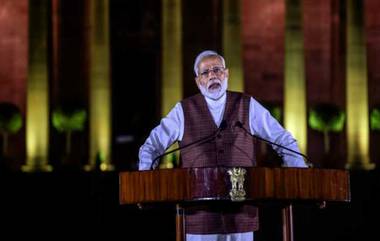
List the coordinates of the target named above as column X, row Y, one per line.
column 226, row 183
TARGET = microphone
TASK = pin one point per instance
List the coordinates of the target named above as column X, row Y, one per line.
column 240, row 125
column 222, row 126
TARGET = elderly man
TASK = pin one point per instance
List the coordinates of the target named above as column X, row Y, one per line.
column 200, row 116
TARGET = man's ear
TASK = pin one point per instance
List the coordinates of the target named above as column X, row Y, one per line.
column 197, row 80
column 226, row 72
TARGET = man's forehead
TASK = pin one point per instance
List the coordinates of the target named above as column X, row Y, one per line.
column 210, row 60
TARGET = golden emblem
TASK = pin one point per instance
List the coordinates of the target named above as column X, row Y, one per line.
column 237, row 177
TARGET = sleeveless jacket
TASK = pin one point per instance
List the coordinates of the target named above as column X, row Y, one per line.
column 230, row 147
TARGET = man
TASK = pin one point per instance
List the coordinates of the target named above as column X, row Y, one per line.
column 200, row 116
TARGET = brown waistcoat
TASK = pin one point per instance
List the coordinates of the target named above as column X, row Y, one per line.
column 231, row 147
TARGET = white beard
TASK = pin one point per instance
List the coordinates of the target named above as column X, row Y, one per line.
column 216, row 93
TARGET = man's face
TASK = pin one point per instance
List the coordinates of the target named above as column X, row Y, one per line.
column 211, row 74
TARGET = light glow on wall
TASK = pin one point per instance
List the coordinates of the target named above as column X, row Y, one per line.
column 295, row 96
column 357, row 90
column 37, row 122
column 100, row 92
column 172, row 87
column 232, row 43
column 37, row 114
column 171, row 54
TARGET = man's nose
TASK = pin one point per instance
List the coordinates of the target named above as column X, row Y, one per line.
column 211, row 71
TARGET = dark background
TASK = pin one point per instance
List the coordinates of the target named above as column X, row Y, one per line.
column 67, row 204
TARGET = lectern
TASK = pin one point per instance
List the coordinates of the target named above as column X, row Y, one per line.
column 235, row 184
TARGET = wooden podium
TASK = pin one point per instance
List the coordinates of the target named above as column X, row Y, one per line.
column 257, row 185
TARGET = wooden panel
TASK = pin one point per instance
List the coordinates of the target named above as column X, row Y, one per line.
column 263, row 48
column 135, row 40
column 324, row 41
column 14, row 69
column 13, row 51
column 262, row 184
column 202, row 29
column 69, row 76
column 372, row 35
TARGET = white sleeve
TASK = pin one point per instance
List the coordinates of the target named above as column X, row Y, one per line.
column 169, row 130
column 263, row 124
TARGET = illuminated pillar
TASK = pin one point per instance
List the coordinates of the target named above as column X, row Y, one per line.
column 171, row 60
column 100, row 93
column 357, row 90
column 37, row 114
column 295, row 98
column 232, row 43
column 171, row 54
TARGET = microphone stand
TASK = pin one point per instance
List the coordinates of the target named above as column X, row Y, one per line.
column 222, row 126
column 240, row 125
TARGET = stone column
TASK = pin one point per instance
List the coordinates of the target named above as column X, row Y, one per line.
column 99, row 85
column 294, row 96
column 172, row 75
column 37, row 114
column 232, row 43
column 357, row 89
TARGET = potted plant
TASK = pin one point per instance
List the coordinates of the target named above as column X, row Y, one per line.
column 375, row 118
column 10, row 123
column 68, row 120
column 326, row 118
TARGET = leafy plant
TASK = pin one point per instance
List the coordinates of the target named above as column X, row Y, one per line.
column 274, row 109
column 326, row 118
column 67, row 121
column 10, row 122
column 375, row 118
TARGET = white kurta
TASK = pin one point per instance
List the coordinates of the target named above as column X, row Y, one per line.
column 261, row 123
column 221, row 237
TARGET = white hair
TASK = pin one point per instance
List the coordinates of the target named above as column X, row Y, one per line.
column 206, row 54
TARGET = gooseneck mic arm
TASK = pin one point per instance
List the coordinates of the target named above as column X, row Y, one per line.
column 222, row 126
column 240, row 125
